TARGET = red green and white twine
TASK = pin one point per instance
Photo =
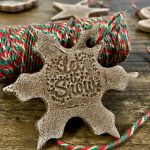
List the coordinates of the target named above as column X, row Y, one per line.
column 16, row 43
column 113, row 144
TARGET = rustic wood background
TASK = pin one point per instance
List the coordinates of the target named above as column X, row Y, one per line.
column 17, row 120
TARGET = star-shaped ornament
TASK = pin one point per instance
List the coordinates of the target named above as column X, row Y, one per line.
column 72, row 84
column 77, row 10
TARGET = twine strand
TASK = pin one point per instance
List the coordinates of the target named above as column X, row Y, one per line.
column 111, row 145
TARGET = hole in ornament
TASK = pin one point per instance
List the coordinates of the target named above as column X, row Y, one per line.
column 73, row 125
column 90, row 43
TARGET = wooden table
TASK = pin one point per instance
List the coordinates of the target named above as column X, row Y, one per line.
column 17, row 120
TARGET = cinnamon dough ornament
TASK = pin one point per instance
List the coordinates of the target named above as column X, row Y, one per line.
column 77, row 10
column 72, row 84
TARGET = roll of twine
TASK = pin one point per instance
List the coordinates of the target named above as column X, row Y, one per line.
column 16, row 43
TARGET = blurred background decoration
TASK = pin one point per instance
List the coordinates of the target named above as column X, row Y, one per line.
column 144, row 15
column 82, row 9
column 16, row 5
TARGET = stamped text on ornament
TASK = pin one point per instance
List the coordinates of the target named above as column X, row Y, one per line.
column 73, row 79
column 72, row 84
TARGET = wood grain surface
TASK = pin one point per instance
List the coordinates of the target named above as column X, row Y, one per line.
column 17, row 120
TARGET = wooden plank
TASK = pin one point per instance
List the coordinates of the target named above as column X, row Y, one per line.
column 138, row 57
column 141, row 67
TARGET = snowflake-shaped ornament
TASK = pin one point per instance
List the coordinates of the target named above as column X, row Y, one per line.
column 72, row 84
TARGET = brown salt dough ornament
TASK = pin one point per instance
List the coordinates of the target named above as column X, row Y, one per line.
column 144, row 13
column 78, row 10
column 144, row 25
column 16, row 5
column 72, row 84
